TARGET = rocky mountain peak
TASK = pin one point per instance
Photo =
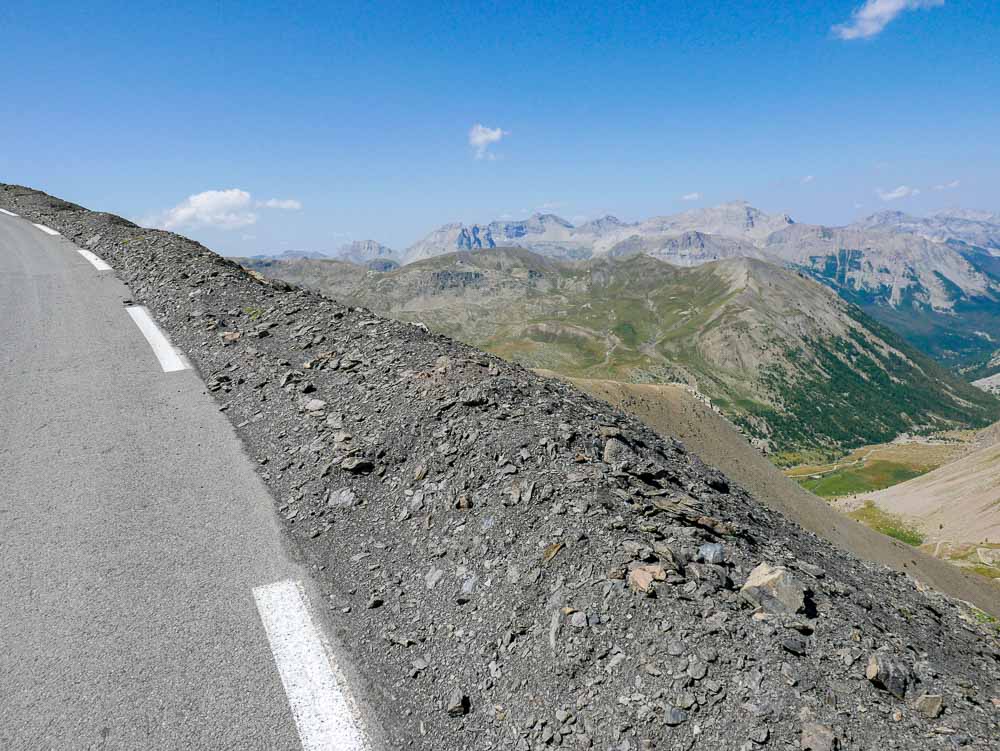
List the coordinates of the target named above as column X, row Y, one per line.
column 365, row 251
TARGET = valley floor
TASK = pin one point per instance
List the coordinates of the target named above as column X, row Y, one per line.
column 883, row 465
column 946, row 518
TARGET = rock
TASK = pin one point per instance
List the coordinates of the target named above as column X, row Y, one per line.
column 774, row 590
column 578, row 620
column 796, row 645
column 812, row 570
column 716, row 480
column 818, row 737
column 357, row 465
column 641, row 578
column 551, row 551
column 930, row 705
column 432, row 577
column 472, row 397
column 686, row 700
column 674, row 716
column 341, row 498
column 315, row 405
column 616, row 450
column 458, row 703
column 888, row 673
column 712, row 552
column 668, row 557
column 697, row 669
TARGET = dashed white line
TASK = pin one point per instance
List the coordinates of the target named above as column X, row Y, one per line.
column 323, row 712
column 96, row 262
column 168, row 355
column 46, row 230
column 8, row 213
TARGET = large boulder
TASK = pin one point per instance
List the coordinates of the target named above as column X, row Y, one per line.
column 888, row 673
column 774, row 589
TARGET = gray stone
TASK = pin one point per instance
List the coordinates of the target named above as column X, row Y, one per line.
column 774, row 590
column 818, row 737
column 888, row 673
column 712, row 552
column 930, row 705
column 358, row 465
column 458, row 703
column 432, row 577
column 674, row 716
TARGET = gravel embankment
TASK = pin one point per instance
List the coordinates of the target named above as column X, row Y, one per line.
column 514, row 565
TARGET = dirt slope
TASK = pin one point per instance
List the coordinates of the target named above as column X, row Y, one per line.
column 958, row 503
column 674, row 410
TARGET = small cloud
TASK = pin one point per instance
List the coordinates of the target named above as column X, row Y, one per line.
column 871, row 18
column 859, row 205
column 552, row 206
column 903, row 191
column 808, row 179
column 286, row 204
column 506, row 216
column 481, row 138
column 222, row 209
column 691, row 197
column 948, row 186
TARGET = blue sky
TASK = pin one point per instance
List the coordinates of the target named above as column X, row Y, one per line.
column 359, row 118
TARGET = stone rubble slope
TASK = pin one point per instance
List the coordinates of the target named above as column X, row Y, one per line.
column 514, row 565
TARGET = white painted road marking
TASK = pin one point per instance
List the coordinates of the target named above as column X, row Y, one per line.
column 8, row 213
column 96, row 262
column 170, row 359
column 46, row 230
column 323, row 713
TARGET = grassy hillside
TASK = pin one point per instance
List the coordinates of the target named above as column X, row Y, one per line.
column 801, row 371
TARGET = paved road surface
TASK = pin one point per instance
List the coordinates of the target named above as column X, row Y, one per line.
column 132, row 531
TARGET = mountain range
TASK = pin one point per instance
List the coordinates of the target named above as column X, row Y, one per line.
column 934, row 279
column 799, row 369
column 978, row 228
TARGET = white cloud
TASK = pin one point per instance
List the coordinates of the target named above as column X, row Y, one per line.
column 481, row 138
column 222, row 209
column 903, row 191
column 288, row 204
column 948, row 186
column 691, row 197
column 808, row 179
column 871, row 18
column 552, row 206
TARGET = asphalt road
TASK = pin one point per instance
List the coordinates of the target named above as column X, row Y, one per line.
column 133, row 531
